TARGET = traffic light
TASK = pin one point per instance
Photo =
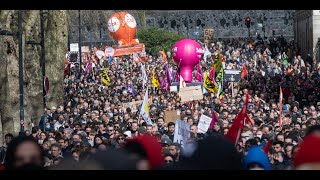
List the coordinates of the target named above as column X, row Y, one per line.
column 248, row 21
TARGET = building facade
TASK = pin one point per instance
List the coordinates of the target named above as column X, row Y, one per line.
column 307, row 32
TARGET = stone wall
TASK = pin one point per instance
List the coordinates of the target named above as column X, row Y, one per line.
column 227, row 23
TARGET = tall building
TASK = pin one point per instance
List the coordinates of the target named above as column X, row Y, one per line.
column 307, row 32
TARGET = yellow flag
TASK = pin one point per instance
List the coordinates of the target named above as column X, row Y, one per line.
column 208, row 84
column 144, row 112
column 217, row 63
column 155, row 82
column 104, row 77
column 164, row 56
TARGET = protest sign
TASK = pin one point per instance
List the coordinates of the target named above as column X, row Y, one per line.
column 232, row 75
column 171, row 116
column 74, row 47
column 208, row 35
column 134, row 105
column 173, row 89
column 181, row 132
column 204, row 124
column 84, row 49
column 191, row 93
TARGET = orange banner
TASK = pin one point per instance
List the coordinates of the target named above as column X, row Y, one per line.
column 124, row 50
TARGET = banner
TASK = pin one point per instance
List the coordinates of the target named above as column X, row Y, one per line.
column 204, row 124
column 191, row 93
column 124, row 50
column 208, row 35
column 181, row 132
column 171, row 116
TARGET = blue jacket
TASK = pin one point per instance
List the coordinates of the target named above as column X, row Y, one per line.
column 256, row 155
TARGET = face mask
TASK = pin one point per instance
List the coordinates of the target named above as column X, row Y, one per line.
column 47, row 126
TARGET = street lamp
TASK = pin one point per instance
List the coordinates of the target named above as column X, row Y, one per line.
column 80, row 41
column 21, row 94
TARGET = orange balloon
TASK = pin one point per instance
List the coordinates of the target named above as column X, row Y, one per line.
column 122, row 28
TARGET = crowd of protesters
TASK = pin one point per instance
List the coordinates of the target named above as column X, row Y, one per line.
column 93, row 130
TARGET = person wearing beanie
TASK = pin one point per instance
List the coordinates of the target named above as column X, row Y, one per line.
column 256, row 159
column 307, row 156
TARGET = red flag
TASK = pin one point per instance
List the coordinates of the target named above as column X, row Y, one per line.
column 280, row 107
column 66, row 69
column 238, row 123
column 199, row 73
column 168, row 77
column 267, row 147
column 244, row 71
column 249, row 120
column 212, row 74
column 214, row 119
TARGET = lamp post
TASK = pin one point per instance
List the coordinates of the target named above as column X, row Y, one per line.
column 21, row 72
column 318, row 50
column 80, row 42
column 21, row 94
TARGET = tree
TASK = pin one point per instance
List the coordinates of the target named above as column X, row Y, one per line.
column 156, row 39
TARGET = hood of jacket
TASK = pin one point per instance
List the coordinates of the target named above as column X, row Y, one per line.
column 256, row 155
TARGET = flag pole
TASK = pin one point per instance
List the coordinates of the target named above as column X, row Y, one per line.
column 238, row 136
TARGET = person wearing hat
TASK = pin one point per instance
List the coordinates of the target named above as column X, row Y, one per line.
column 146, row 150
column 141, row 131
column 307, row 156
column 256, row 159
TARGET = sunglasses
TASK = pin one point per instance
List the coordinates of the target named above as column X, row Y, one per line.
column 110, row 130
column 168, row 161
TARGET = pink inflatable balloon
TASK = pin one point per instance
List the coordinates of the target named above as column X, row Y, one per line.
column 187, row 54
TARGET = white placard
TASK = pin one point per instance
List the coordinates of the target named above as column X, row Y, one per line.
column 85, row 49
column 74, row 47
column 204, row 124
column 173, row 89
column 99, row 54
column 181, row 132
column 109, row 51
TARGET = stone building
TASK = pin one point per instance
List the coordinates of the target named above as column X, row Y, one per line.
column 307, row 32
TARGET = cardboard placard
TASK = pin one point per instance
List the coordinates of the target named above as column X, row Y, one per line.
column 134, row 105
column 191, row 93
column 171, row 116
column 208, row 35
